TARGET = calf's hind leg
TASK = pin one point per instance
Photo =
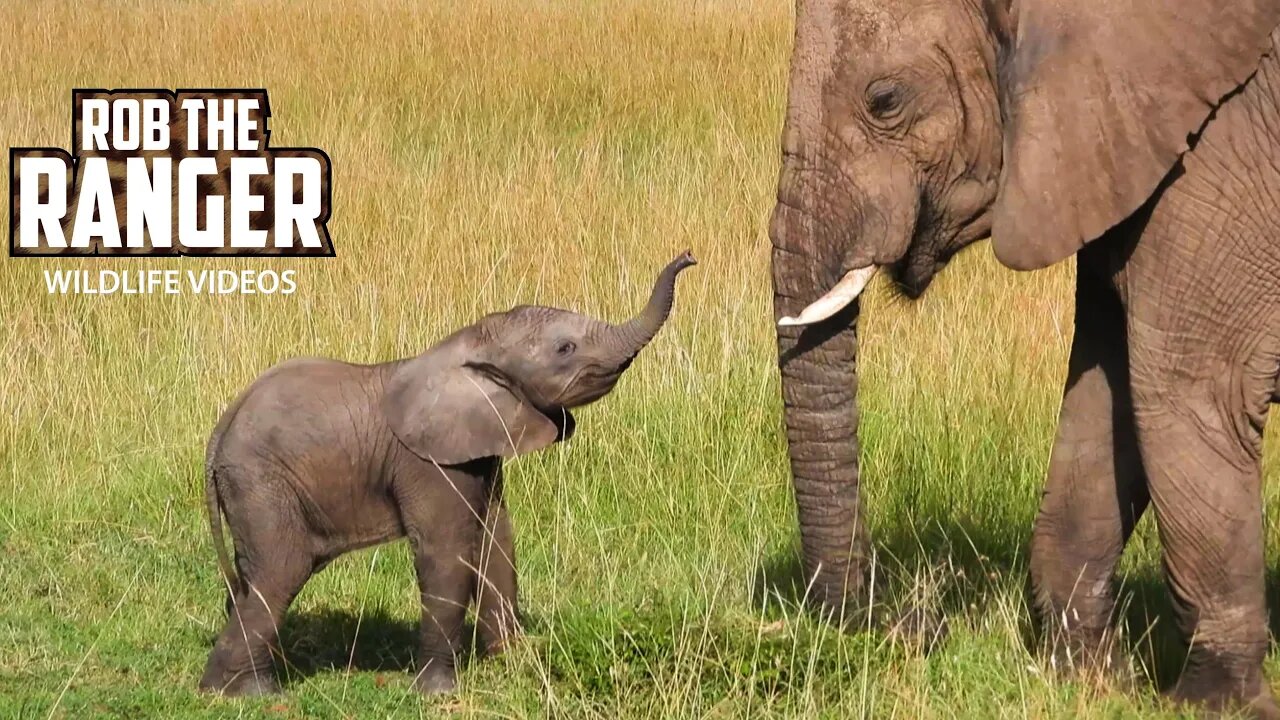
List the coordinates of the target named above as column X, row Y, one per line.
column 271, row 574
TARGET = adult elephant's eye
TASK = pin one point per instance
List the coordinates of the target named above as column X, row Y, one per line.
column 885, row 99
column 566, row 348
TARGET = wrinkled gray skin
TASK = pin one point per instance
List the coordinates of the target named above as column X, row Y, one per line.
column 1141, row 136
column 320, row 457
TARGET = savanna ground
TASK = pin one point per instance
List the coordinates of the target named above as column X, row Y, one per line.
column 487, row 154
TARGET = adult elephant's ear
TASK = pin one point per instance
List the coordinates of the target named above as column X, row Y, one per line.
column 451, row 413
column 1100, row 99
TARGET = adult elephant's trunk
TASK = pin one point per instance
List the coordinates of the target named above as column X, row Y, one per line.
column 819, row 394
column 630, row 337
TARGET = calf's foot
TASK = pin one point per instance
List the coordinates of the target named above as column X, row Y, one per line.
column 498, row 644
column 252, row 685
column 233, row 670
column 238, row 684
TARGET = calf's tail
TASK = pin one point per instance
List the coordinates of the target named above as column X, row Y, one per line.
column 213, row 504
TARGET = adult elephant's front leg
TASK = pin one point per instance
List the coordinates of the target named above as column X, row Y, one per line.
column 1096, row 491
column 1206, row 487
column 1204, row 348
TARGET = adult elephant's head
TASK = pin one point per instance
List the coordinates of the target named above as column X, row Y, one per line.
column 916, row 128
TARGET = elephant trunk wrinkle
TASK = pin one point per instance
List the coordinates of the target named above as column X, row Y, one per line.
column 820, row 410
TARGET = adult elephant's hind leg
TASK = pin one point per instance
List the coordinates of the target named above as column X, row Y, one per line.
column 1096, row 491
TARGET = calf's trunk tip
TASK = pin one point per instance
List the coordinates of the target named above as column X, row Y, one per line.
column 637, row 332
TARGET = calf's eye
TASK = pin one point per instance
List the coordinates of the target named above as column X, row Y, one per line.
column 566, row 348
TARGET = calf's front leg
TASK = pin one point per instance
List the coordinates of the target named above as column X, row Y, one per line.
column 497, row 621
column 443, row 533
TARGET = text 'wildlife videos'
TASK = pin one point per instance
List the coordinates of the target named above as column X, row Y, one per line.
column 170, row 282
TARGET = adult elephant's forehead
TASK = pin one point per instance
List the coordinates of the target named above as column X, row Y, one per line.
column 865, row 23
column 862, row 23
column 831, row 34
column 827, row 28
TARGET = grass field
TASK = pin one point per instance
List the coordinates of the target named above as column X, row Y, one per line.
column 487, row 154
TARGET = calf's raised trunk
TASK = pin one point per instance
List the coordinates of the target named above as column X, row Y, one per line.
column 629, row 338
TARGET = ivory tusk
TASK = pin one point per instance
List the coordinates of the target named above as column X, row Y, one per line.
column 844, row 292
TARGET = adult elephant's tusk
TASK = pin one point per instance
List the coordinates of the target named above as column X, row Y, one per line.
column 844, row 292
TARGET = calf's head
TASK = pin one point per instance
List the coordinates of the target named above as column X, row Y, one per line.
column 504, row 386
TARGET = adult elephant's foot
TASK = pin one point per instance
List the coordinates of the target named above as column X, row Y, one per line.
column 1220, row 684
column 918, row 626
column 1263, row 707
column 498, row 632
column 1083, row 651
column 1260, row 707
column 436, row 678
column 908, row 618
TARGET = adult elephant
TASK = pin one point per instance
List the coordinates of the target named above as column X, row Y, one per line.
column 1142, row 136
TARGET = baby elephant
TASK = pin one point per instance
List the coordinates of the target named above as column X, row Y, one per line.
column 319, row 457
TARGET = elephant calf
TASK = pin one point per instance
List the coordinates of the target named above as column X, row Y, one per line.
column 319, row 457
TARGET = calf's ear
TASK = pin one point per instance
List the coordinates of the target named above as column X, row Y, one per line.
column 1100, row 98
column 451, row 414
